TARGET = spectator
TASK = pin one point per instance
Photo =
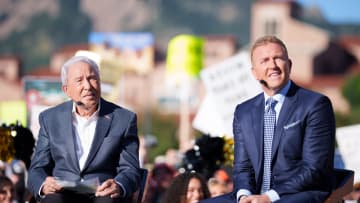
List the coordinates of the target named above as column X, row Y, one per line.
column 188, row 187
column 173, row 158
column 224, row 176
column 6, row 190
column 160, row 179
column 216, row 187
column 16, row 172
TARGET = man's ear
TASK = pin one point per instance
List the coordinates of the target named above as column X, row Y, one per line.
column 64, row 89
column 290, row 65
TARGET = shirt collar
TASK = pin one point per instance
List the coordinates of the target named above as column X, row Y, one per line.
column 94, row 115
column 280, row 96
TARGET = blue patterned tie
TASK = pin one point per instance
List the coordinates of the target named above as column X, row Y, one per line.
column 269, row 129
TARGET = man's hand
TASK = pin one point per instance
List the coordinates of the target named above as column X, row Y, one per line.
column 50, row 186
column 109, row 188
column 255, row 199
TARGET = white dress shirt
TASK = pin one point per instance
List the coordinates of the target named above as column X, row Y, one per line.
column 84, row 129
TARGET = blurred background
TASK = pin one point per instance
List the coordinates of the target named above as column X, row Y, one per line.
column 182, row 66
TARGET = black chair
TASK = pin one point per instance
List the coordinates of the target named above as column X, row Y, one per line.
column 138, row 195
column 344, row 185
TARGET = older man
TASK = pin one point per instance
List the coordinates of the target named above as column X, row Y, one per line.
column 85, row 139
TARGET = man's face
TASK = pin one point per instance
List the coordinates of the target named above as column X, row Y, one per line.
column 271, row 64
column 83, row 85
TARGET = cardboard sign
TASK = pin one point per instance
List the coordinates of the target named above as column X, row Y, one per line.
column 348, row 139
column 228, row 84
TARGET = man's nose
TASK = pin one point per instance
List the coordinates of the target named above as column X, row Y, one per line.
column 272, row 63
column 86, row 84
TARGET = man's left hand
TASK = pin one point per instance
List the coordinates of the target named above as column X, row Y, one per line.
column 257, row 199
column 109, row 188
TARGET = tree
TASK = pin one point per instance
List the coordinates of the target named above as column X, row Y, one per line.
column 351, row 91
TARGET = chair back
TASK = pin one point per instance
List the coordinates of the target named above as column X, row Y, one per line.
column 138, row 195
column 344, row 185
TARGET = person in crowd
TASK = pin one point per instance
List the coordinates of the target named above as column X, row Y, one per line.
column 17, row 173
column 188, row 187
column 284, row 137
column 85, row 140
column 6, row 190
column 224, row 175
column 159, row 181
column 216, row 187
column 173, row 157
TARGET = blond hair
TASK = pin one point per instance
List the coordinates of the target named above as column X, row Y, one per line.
column 266, row 40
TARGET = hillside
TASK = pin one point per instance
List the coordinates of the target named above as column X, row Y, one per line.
column 34, row 29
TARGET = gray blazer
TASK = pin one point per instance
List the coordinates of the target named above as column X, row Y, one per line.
column 113, row 153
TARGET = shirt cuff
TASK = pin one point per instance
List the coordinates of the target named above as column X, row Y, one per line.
column 273, row 195
column 39, row 192
column 242, row 192
column 123, row 189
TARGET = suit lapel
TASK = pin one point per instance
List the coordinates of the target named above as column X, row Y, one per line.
column 102, row 127
column 258, row 126
column 286, row 111
column 66, row 126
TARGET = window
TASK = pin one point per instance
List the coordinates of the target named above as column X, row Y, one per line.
column 271, row 27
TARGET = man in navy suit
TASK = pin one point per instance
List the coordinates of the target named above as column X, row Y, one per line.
column 302, row 144
column 85, row 139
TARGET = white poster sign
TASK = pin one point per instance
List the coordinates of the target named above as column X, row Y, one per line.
column 348, row 139
column 208, row 121
column 227, row 84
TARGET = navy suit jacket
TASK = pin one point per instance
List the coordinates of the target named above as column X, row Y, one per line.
column 113, row 153
column 302, row 149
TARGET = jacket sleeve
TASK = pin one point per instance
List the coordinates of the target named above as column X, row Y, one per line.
column 42, row 163
column 128, row 171
column 244, row 174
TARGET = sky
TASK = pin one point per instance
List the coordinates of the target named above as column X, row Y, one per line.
column 337, row 11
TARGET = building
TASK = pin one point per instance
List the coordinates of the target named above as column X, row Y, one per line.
column 305, row 42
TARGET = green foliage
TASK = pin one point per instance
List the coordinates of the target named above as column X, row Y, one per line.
column 44, row 34
column 349, row 119
column 163, row 127
column 206, row 17
column 351, row 91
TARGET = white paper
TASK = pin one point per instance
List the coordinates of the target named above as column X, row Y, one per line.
column 85, row 187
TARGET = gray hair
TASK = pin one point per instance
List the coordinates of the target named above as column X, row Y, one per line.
column 75, row 59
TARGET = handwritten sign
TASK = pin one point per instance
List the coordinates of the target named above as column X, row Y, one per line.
column 348, row 143
column 228, row 84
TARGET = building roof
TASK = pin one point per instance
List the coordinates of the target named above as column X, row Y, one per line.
column 43, row 71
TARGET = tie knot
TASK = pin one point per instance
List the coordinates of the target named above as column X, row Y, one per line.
column 270, row 103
